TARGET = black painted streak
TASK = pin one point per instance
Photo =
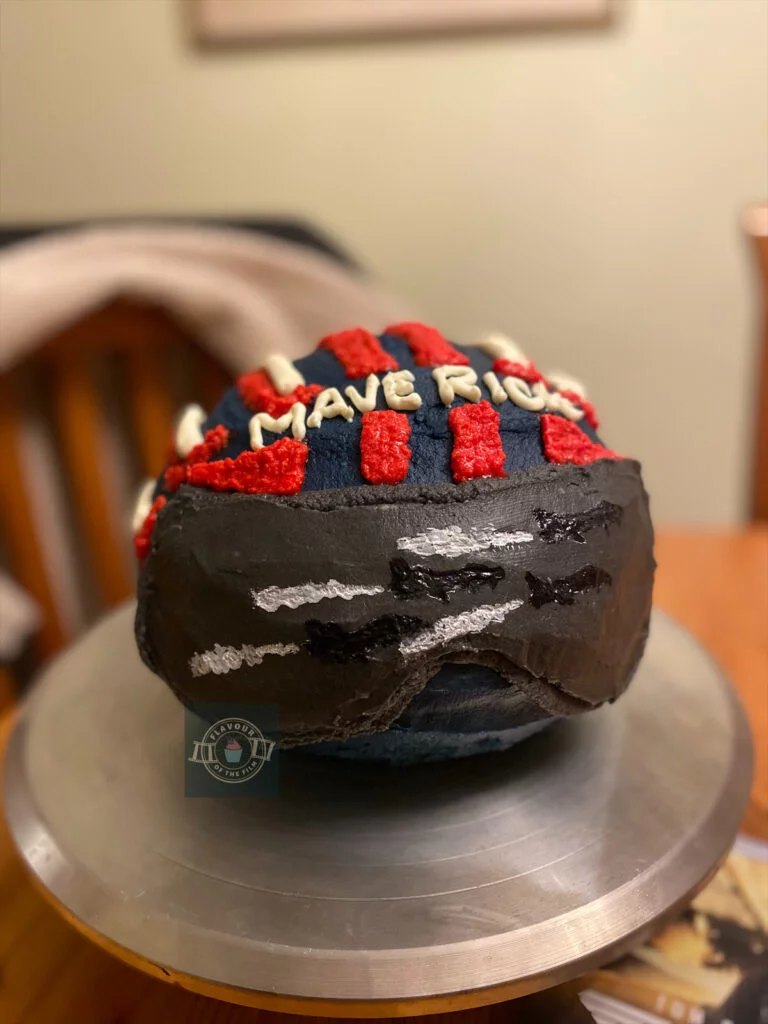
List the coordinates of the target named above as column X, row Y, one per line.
column 545, row 590
column 330, row 642
column 557, row 526
column 418, row 581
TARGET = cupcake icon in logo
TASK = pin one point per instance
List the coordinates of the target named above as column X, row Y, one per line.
column 233, row 751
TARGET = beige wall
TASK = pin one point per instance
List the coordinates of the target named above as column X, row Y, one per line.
column 580, row 190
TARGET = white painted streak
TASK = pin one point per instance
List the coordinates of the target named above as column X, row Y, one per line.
column 221, row 660
column 143, row 505
column 452, row 541
column 272, row 598
column 452, row 626
column 283, row 374
column 189, row 430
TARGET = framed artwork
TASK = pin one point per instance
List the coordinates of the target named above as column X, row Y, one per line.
column 233, row 21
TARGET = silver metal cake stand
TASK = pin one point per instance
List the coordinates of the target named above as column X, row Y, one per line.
column 370, row 891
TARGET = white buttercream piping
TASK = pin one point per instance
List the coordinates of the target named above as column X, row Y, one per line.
column 522, row 394
column 399, row 392
column 564, row 382
column 189, row 432
column 143, row 505
column 328, row 404
column 283, row 374
column 367, row 403
column 456, row 380
column 499, row 346
column 491, row 381
column 295, row 419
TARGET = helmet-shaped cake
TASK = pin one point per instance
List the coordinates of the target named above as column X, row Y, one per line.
column 415, row 549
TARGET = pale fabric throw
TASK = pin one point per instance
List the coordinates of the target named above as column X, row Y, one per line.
column 243, row 295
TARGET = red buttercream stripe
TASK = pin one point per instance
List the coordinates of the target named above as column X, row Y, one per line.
column 427, row 345
column 174, row 476
column 477, row 448
column 143, row 538
column 590, row 414
column 276, row 469
column 564, row 442
column 384, row 452
column 525, row 371
column 359, row 352
column 260, row 395
column 214, row 441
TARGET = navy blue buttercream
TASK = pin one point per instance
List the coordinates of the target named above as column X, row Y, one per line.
column 334, row 446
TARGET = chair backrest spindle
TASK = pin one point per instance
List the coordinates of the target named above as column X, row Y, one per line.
column 19, row 529
column 146, row 342
column 79, row 424
column 152, row 411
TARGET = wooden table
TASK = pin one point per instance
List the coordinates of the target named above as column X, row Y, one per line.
column 714, row 584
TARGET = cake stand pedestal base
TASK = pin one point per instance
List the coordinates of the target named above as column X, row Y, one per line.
column 364, row 890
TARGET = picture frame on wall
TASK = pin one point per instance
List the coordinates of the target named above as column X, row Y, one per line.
column 239, row 21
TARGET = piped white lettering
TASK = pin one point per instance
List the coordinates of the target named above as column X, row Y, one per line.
column 367, row 403
column 521, row 394
column 294, row 418
column 456, row 380
column 491, row 381
column 329, row 404
column 399, row 392
column 559, row 403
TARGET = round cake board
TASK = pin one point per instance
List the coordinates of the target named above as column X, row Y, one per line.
column 364, row 890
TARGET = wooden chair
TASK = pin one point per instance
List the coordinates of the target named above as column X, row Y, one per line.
column 7, row 689
column 756, row 227
column 159, row 367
